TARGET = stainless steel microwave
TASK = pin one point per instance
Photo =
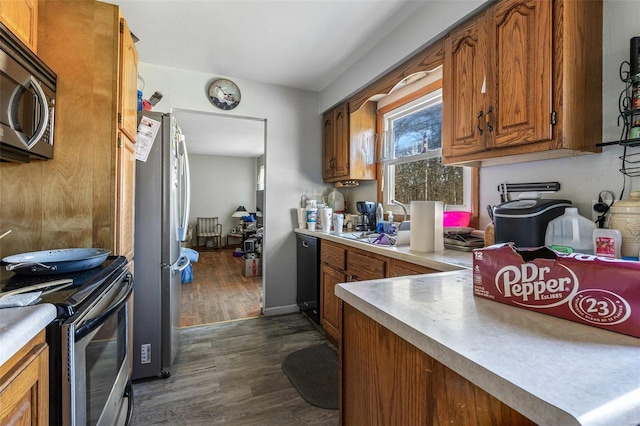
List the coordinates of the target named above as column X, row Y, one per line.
column 27, row 102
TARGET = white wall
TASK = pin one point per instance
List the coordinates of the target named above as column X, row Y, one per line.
column 581, row 178
column 218, row 186
column 293, row 166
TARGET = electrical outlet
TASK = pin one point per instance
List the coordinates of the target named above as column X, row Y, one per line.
column 595, row 214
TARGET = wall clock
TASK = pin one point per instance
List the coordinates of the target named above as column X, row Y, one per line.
column 224, row 94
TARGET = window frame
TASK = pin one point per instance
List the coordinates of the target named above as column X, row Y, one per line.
column 471, row 178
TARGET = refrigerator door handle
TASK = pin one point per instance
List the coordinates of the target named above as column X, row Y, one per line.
column 185, row 188
column 180, row 264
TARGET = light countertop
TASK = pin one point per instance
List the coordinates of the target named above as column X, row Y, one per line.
column 447, row 260
column 553, row 371
column 19, row 325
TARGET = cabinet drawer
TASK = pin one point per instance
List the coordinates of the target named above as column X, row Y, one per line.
column 333, row 255
column 399, row 268
column 365, row 267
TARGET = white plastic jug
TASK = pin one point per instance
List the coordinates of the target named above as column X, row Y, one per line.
column 336, row 201
column 570, row 233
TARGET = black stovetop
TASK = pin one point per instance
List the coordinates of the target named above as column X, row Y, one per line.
column 68, row 299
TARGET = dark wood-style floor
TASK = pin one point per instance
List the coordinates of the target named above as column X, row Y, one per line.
column 219, row 291
column 230, row 374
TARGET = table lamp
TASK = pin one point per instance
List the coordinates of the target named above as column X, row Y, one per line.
column 240, row 211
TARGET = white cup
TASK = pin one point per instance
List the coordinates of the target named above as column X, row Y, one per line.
column 325, row 218
column 311, row 226
column 302, row 217
column 338, row 222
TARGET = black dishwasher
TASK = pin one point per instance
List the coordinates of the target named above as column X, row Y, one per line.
column 308, row 275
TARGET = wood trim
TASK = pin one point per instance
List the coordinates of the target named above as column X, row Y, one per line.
column 410, row 97
column 428, row 59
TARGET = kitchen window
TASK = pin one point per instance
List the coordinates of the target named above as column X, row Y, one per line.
column 411, row 154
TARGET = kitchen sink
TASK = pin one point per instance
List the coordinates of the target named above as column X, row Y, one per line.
column 370, row 238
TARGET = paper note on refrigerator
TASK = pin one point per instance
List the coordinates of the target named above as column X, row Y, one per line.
column 147, row 131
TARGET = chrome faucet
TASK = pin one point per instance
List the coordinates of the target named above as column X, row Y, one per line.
column 404, row 208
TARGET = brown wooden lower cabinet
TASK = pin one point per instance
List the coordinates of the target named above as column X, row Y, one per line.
column 341, row 263
column 399, row 268
column 330, row 305
column 384, row 380
column 24, row 385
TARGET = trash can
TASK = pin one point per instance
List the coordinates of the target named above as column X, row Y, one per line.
column 187, row 273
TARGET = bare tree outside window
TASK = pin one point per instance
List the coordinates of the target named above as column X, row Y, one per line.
column 428, row 180
column 419, row 134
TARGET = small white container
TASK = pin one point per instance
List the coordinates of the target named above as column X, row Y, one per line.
column 607, row 243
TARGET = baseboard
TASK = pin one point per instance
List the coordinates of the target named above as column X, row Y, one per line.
column 280, row 310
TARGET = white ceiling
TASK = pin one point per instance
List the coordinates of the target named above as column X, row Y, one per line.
column 304, row 44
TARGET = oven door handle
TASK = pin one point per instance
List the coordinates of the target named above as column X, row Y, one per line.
column 90, row 325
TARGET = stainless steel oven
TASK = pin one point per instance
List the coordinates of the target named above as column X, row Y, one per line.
column 90, row 343
column 96, row 357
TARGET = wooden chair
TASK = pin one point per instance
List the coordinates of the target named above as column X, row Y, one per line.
column 209, row 230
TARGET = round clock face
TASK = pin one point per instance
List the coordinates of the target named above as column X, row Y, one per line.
column 224, row 94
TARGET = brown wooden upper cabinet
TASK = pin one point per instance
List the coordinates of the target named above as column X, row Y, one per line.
column 128, row 79
column 523, row 77
column 349, row 143
column 21, row 18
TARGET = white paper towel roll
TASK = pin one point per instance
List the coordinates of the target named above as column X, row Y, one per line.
column 426, row 226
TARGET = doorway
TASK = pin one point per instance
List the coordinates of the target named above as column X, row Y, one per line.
column 227, row 158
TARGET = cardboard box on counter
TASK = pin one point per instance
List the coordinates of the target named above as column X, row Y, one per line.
column 591, row 290
column 252, row 267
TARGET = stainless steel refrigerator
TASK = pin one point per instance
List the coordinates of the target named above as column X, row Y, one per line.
column 162, row 213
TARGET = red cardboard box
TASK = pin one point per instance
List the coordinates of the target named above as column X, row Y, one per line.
column 591, row 290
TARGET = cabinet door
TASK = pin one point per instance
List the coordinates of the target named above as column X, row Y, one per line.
column 341, row 143
column 330, row 306
column 385, row 380
column 328, row 137
column 520, row 82
column 125, row 205
column 128, row 90
column 21, row 17
column 362, row 142
column 24, row 389
column 464, row 90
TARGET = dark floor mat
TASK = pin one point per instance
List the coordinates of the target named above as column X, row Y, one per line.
column 313, row 371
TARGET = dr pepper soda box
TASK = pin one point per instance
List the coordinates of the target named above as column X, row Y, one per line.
column 591, row 290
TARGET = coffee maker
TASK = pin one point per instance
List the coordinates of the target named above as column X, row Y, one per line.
column 367, row 211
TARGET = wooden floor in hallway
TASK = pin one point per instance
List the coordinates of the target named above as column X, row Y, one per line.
column 219, row 290
column 230, row 374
